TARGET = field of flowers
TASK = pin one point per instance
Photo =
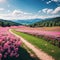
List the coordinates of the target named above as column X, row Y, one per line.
column 39, row 41
column 9, row 44
column 51, row 36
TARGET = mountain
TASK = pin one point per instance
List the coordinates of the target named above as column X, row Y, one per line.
column 47, row 22
column 27, row 22
column 4, row 23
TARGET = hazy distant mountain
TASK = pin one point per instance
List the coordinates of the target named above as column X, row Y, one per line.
column 8, row 23
column 27, row 22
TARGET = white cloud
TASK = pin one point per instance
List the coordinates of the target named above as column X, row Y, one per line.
column 51, row 11
column 8, row 10
column 55, row 0
column 47, row 11
column 1, row 9
column 48, row 2
column 1, row 1
column 17, row 14
column 51, row 16
column 56, row 11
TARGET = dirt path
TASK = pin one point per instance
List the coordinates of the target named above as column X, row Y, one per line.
column 40, row 54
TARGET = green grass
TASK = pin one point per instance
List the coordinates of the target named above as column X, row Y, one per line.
column 34, row 57
column 50, row 49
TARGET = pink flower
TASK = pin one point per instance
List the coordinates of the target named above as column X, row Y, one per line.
column 0, row 55
column 17, row 55
column 18, row 43
column 16, row 49
column 5, row 46
column 11, row 54
column 9, row 50
column 8, row 43
column 5, row 56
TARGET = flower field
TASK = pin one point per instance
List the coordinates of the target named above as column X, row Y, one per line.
column 41, row 44
column 51, row 36
column 9, row 44
column 11, row 47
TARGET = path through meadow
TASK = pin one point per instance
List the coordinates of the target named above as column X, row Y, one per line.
column 40, row 54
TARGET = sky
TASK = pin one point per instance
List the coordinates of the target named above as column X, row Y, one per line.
column 29, row 9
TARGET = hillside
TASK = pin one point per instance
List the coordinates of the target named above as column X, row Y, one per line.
column 4, row 23
column 47, row 23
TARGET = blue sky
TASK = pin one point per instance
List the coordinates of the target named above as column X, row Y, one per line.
column 29, row 9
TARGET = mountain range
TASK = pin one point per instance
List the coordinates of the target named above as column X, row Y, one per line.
column 32, row 22
column 27, row 22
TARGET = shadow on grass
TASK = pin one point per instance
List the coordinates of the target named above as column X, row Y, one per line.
column 24, row 55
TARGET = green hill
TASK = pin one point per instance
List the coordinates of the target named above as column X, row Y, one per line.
column 5, row 23
column 47, row 23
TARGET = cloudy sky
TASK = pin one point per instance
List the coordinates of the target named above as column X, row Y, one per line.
column 29, row 9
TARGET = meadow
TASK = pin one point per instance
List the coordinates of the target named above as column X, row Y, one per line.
column 11, row 47
column 46, row 39
column 49, row 34
column 29, row 29
column 52, row 50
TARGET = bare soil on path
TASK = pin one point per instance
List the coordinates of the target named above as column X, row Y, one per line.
column 40, row 54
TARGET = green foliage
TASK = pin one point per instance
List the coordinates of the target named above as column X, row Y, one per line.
column 47, row 23
column 4, row 23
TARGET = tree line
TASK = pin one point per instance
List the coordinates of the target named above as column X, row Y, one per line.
column 47, row 23
column 5, row 23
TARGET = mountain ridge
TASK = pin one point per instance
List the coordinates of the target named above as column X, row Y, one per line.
column 28, row 21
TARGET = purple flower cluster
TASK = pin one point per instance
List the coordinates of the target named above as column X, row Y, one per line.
column 9, row 44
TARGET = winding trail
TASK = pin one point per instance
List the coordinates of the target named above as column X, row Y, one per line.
column 40, row 54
